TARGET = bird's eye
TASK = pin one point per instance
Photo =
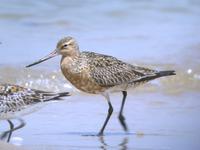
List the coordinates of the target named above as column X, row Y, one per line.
column 65, row 46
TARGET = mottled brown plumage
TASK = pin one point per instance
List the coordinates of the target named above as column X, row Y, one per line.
column 16, row 101
column 100, row 74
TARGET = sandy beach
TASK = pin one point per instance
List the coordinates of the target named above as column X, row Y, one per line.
column 162, row 35
column 6, row 146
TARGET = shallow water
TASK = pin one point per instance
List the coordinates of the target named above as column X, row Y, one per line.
column 162, row 35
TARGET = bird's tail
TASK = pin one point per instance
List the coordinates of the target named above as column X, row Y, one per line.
column 50, row 96
column 165, row 73
column 157, row 75
column 162, row 74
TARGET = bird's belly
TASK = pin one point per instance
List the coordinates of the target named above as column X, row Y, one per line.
column 20, row 112
column 83, row 82
column 124, row 87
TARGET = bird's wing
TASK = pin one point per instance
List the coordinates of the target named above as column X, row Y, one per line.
column 144, row 70
column 109, row 71
column 15, row 98
column 28, row 96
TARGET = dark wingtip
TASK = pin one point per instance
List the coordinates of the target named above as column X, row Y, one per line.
column 63, row 94
column 166, row 73
column 55, row 96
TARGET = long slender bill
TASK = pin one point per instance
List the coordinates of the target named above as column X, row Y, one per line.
column 51, row 55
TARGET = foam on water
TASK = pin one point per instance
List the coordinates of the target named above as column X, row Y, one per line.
column 159, row 34
column 52, row 79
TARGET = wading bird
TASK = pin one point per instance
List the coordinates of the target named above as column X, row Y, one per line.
column 16, row 101
column 100, row 74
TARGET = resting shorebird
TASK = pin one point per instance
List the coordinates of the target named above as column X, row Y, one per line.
column 100, row 74
column 16, row 101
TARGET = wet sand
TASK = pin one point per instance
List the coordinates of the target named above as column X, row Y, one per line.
column 6, row 146
column 163, row 114
column 155, row 121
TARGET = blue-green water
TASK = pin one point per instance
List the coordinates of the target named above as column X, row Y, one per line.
column 135, row 30
column 155, row 33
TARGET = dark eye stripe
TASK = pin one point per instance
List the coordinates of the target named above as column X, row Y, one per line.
column 65, row 45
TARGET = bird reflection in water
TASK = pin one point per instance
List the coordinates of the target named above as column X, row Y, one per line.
column 121, row 146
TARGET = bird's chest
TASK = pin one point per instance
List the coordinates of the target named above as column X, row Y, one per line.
column 78, row 73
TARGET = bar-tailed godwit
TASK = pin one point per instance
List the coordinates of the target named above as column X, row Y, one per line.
column 100, row 74
column 16, row 101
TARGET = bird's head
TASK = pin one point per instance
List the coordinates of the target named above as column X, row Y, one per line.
column 67, row 46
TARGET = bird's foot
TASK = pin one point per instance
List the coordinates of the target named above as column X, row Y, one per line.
column 97, row 135
column 4, row 135
column 123, row 123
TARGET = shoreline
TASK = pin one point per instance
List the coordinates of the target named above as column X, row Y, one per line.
column 8, row 146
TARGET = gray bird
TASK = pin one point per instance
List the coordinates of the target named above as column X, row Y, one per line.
column 17, row 101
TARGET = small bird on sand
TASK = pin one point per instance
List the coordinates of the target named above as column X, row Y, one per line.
column 16, row 101
column 100, row 74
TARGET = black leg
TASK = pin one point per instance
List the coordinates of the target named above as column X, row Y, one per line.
column 121, row 117
column 110, row 110
column 9, row 132
column 11, row 128
column 21, row 125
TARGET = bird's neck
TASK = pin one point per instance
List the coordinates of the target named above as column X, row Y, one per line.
column 69, row 67
column 69, row 60
column 73, row 53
